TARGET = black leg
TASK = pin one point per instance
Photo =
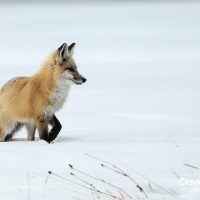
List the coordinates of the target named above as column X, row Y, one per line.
column 8, row 137
column 18, row 126
column 43, row 130
column 56, row 127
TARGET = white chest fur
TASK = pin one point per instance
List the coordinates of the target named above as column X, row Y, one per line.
column 59, row 96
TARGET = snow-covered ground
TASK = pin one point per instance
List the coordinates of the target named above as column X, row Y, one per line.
column 140, row 105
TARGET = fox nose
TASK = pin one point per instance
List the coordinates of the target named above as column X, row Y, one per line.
column 84, row 80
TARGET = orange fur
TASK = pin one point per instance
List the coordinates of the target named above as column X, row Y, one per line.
column 28, row 100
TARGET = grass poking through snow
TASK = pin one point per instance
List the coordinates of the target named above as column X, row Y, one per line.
column 100, row 188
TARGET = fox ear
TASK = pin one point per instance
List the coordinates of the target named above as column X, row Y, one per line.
column 71, row 48
column 63, row 51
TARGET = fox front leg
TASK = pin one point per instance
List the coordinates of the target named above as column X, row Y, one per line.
column 56, row 127
column 42, row 127
column 31, row 128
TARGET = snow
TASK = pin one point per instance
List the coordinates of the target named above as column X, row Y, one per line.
column 140, row 105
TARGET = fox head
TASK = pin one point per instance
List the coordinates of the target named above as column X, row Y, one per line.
column 65, row 65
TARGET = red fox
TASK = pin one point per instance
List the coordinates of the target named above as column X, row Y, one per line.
column 32, row 101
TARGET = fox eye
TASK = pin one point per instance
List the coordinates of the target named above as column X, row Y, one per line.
column 71, row 69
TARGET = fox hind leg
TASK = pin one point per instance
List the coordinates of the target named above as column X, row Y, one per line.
column 2, row 135
column 8, row 137
column 11, row 128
